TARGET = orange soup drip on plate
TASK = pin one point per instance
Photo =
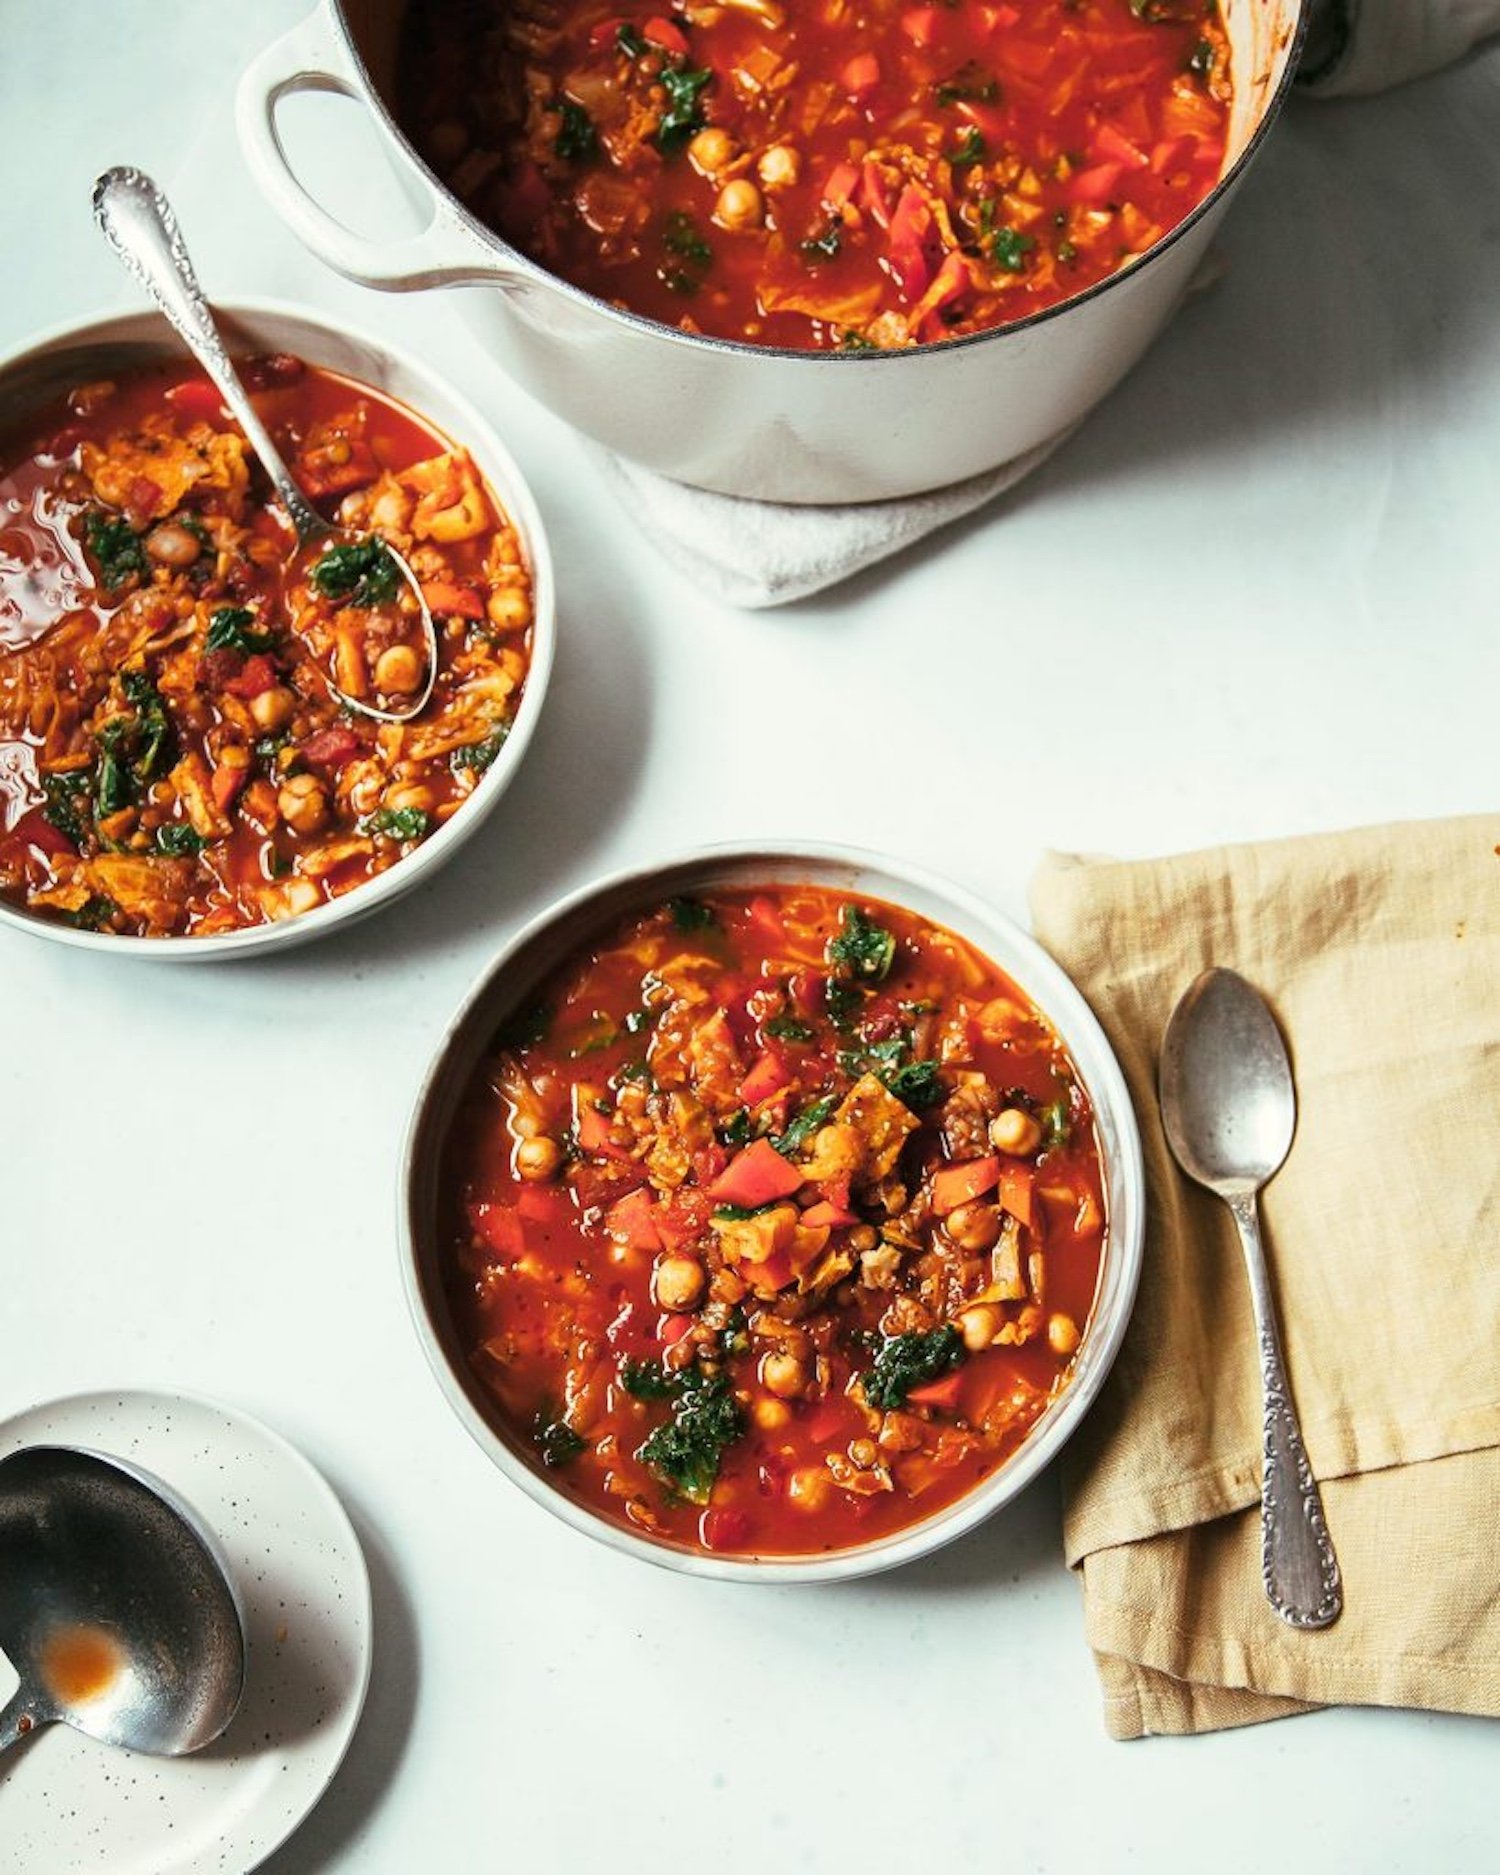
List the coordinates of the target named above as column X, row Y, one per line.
column 851, row 174
column 174, row 758
column 775, row 1221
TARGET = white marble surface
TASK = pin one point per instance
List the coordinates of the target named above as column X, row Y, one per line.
column 1255, row 595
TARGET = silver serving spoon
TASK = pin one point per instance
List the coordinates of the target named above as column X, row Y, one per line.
column 115, row 1606
column 138, row 222
column 1230, row 1110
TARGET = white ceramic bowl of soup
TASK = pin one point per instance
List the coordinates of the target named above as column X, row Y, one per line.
column 510, row 984
column 50, row 365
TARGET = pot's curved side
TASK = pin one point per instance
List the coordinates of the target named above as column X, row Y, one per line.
column 815, row 428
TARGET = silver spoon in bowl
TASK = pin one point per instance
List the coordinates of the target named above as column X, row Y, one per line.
column 1230, row 1109
column 138, row 222
column 116, row 1608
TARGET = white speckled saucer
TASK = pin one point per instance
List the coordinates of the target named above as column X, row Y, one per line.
column 68, row 1804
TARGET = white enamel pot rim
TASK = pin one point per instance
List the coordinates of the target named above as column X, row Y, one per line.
column 768, row 423
column 515, row 974
column 141, row 337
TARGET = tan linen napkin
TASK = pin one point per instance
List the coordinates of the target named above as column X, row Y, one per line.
column 1380, row 952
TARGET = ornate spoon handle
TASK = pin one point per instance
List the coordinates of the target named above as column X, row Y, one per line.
column 1297, row 1560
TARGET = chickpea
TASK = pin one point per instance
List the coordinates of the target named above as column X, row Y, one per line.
column 538, row 1158
column 771, row 1415
column 677, row 1283
column 783, row 1374
column 739, row 206
column 1062, row 1334
column 302, row 803
column 409, row 794
column 778, row 167
column 508, row 608
column 979, row 1326
column 398, row 671
column 173, row 544
column 808, row 1488
column 1015, row 1131
column 864, row 1453
column 974, row 1226
column 711, row 150
column 863, row 1237
column 272, row 709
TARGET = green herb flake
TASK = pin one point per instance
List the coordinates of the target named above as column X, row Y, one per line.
column 691, row 914
column 115, row 548
column 361, row 573
column 970, row 84
column 852, row 341
column 1008, row 249
column 93, row 914
column 689, row 254
column 686, row 1451
column 907, row 1361
column 233, row 628
column 178, row 840
column 683, row 117
column 629, row 40
column 64, row 806
column 1057, row 1123
column 649, row 1380
column 397, row 823
column 576, row 141
column 787, row 1029
column 735, row 1131
column 863, row 948
column 557, row 1442
column 971, row 150
column 737, row 1213
column 807, row 1122
column 480, row 756
column 917, row 1084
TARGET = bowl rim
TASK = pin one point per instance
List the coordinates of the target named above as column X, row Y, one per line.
column 1041, row 978
column 128, row 325
column 487, row 237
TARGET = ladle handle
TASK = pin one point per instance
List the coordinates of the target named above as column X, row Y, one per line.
column 1297, row 1560
column 138, row 222
column 20, row 1717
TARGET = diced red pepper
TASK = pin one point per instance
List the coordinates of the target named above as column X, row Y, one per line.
column 1115, row 147
column 498, row 1225
column 34, row 829
column 226, row 783
column 769, row 1075
column 861, row 74
column 197, row 400
column 331, row 747
column 953, row 1185
column 1094, row 185
column 1016, row 1193
column 724, row 1529
column 255, row 676
column 671, row 38
column 635, row 1219
column 708, row 1163
column 757, row 1175
column 446, row 599
column 943, row 1394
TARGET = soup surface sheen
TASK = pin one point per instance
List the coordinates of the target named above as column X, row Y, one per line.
column 175, row 759
column 848, row 174
column 775, row 1223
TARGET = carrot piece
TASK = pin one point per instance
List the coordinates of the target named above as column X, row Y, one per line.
column 1094, row 185
column 756, row 1176
column 445, row 600
column 226, row 784
column 953, row 1185
column 1115, row 147
column 499, row 1225
column 942, row 1394
column 634, row 1218
column 1016, row 1193
column 826, row 1213
column 660, row 32
column 769, row 1075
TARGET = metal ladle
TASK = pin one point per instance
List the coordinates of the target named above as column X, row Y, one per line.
column 115, row 1606
column 138, row 222
column 1230, row 1109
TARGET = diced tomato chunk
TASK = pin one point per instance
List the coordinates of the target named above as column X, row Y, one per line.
column 635, row 1219
column 594, row 1133
column 34, row 829
column 943, row 1394
column 256, row 675
column 671, row 1328
column 835, row 1217
column 1094, row 185
column 663, row 33
column 498, row 1225
column 757, row 1175
column 196, row 399
column 953, row 1185
column 861, row 74
column 769, row 1075
column 920, row 24
column 913, row 243
column 724, row 1529
column 225, row 785
column 766, row 918
column 605, row 33
column 544, row 1204
column 841, row 183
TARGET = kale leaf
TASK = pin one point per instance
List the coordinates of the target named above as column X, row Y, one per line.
column 359, row 573
column 63, row 807
column 684, row 113
column 649, row 1380
column 481, row 755
column 178, row 840
column 557, row 1442
column 906, row 1361
column 807, row 1122
column 788, row 1029
column 863, row 948
column 685, row 1451
column 577, row 141
column 115, row 546
column 691, row 914
column 399, row 823
column 233, row 628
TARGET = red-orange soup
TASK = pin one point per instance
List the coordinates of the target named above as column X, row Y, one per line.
column 175, row 759
column 775, row 1223
column 848, row 174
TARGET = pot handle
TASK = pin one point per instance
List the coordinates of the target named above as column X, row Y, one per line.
column 315, row 56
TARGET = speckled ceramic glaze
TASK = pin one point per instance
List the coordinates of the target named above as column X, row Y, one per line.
column 70, row 1804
